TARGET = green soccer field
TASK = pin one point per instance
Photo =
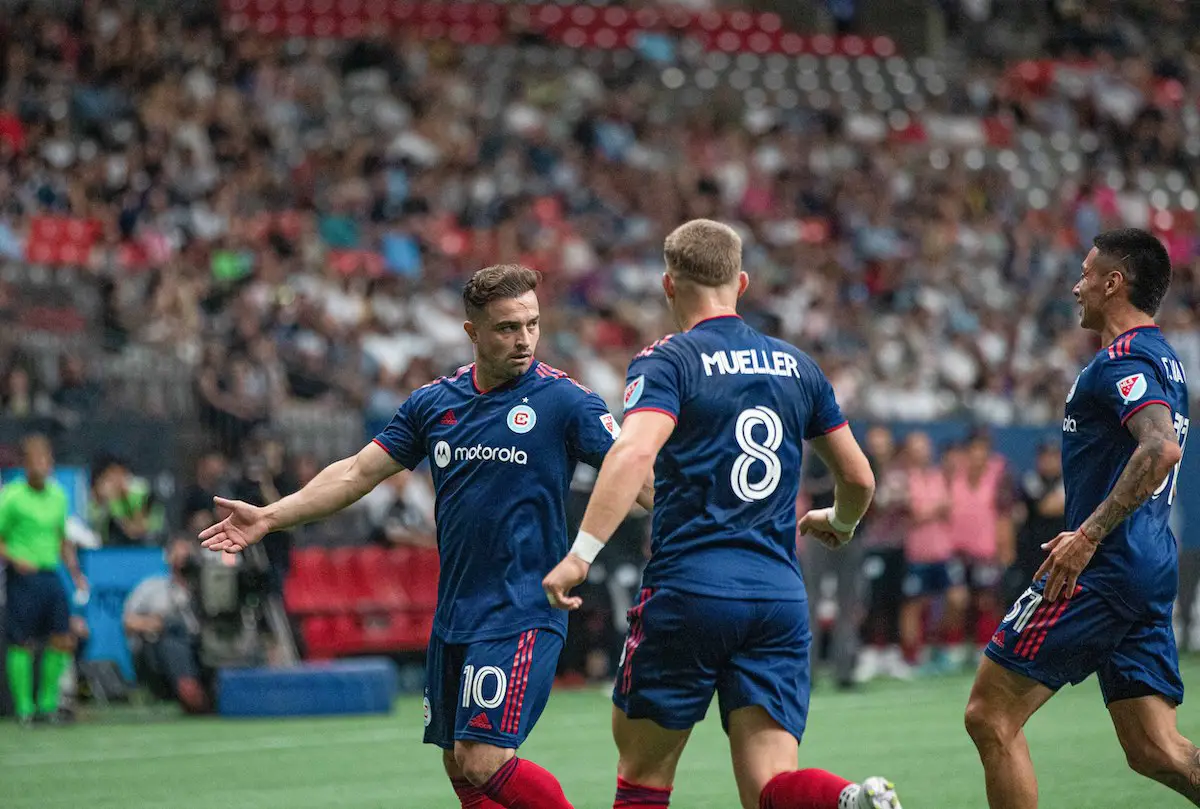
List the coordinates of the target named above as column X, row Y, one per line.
column 911, row 733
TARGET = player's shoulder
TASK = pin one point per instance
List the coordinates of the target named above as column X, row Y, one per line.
column 665, row 346
column 561, row 382
column 1142, row 343
column 438, row 387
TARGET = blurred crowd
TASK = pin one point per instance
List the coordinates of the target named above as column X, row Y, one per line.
column 304, row 211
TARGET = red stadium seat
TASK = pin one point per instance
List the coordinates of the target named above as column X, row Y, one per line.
column 310, row 587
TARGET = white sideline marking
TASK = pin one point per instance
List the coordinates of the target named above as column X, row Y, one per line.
column 216, row 747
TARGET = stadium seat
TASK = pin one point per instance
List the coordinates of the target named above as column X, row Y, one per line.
column 308, row 588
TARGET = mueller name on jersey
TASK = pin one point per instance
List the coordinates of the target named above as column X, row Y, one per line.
column 751, row 361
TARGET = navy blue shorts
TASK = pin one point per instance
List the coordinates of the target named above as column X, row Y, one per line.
column 37, row 607
column 490, row 691
column 683, row 648
column 932, row 578
column 1061, row 642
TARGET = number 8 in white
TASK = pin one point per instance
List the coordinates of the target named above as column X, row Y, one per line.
column 752, row 451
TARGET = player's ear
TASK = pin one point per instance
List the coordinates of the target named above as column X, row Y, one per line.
column 743, row 282
column 471, row 331
column 668, row 285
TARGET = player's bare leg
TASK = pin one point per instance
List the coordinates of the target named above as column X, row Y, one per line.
column 468, row 794
column 911, row 615
column 764, row 764
column 1154, row 747
column 648, row 755
column 503, row 779
column 1001, row 703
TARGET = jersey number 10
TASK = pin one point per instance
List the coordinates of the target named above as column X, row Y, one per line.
column 1181, row 432
column 754, row 451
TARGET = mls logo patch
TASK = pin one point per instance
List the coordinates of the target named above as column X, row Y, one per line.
column 634, row 390
column 1132, row 388
column 521, row 419
column 428, row 712
column 441, row 454
column 611, row 425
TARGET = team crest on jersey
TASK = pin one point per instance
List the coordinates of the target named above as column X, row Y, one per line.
column 634, row 390
column 1132, row 388
column 441, row 454
column 428, row 711
column 1071, row 392
column 611, row 425
column 521, row 419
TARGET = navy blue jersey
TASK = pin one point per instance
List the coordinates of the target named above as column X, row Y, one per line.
column 1135, row 566
column 502, row 462
column 726, row 481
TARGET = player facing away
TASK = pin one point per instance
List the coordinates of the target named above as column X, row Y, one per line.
column 503, row 436
column 1102, row 600
column 724, row 410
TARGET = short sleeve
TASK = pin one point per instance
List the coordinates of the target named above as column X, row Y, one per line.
column 826, row 415
column 5, row 511
column 1129, row 384
column 592, row 432
column 654, row 383
column 402, row 438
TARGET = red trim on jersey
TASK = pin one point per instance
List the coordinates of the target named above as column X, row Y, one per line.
column 836, row 427
column 674, row 418
column 714, row 317
column 381, row 445
column 1058, row 613
column 512, row 678
column 516, row 723
column 534, row 365
column 1130, row 332
column 1035, row 622
column 1143, row 406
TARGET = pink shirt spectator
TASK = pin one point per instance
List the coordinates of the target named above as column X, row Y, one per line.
column 975, row 512
column 928, row 539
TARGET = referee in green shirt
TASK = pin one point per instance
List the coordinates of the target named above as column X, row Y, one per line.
column 33, row 523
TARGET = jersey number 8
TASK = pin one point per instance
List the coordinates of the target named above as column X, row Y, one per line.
column 753, row 450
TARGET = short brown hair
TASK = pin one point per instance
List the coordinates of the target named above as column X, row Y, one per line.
column 496, row 283
column 706, row 252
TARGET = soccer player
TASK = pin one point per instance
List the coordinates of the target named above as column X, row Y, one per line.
column 33, row 526
column 1102, row 600
column 724, row 409
column 503, row 435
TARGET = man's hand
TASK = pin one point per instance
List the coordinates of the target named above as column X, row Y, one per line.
column 245, row 525
column 816, row 525
column 1070, row 553
column 567, row 575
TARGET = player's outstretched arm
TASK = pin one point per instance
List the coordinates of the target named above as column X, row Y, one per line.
column 335, row 487
column 853, row 488
column 623, row 477
column 1153, row 458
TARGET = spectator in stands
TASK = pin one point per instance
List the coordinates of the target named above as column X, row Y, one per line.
column 231, row 404
column 77, row 395
column 400, row 511
column 22, row 396
column 211, row 471
column 882, row 536
column 124, row 510
column 163, row 631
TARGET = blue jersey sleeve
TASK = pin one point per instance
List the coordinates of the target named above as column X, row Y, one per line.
column 654, row 383
column 1129, row 383
column 826, row 415
column 592, row 431
column 402, row 436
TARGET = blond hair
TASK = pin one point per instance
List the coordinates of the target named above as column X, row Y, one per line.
column 705, row 252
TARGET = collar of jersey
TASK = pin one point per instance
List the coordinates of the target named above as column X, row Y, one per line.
column 503, row 386
column 1154, row 326
column 717, row 319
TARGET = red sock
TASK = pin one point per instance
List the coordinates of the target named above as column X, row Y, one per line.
column 803, row 789
column 985, row 625
column 470, row 797
column 521, row 784
column 632, row 796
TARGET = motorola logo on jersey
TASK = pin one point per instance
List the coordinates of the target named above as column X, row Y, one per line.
column 441, row 454
column 1070, row 425
column 481, row 453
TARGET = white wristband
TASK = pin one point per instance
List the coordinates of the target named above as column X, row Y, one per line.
column 587, row 547
column 838, row 525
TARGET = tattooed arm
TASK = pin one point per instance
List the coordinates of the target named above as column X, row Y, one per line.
column 1156, row 453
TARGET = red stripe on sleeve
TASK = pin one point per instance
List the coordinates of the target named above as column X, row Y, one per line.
column 673, row 417
column 1143, row 406
column 836, row 427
